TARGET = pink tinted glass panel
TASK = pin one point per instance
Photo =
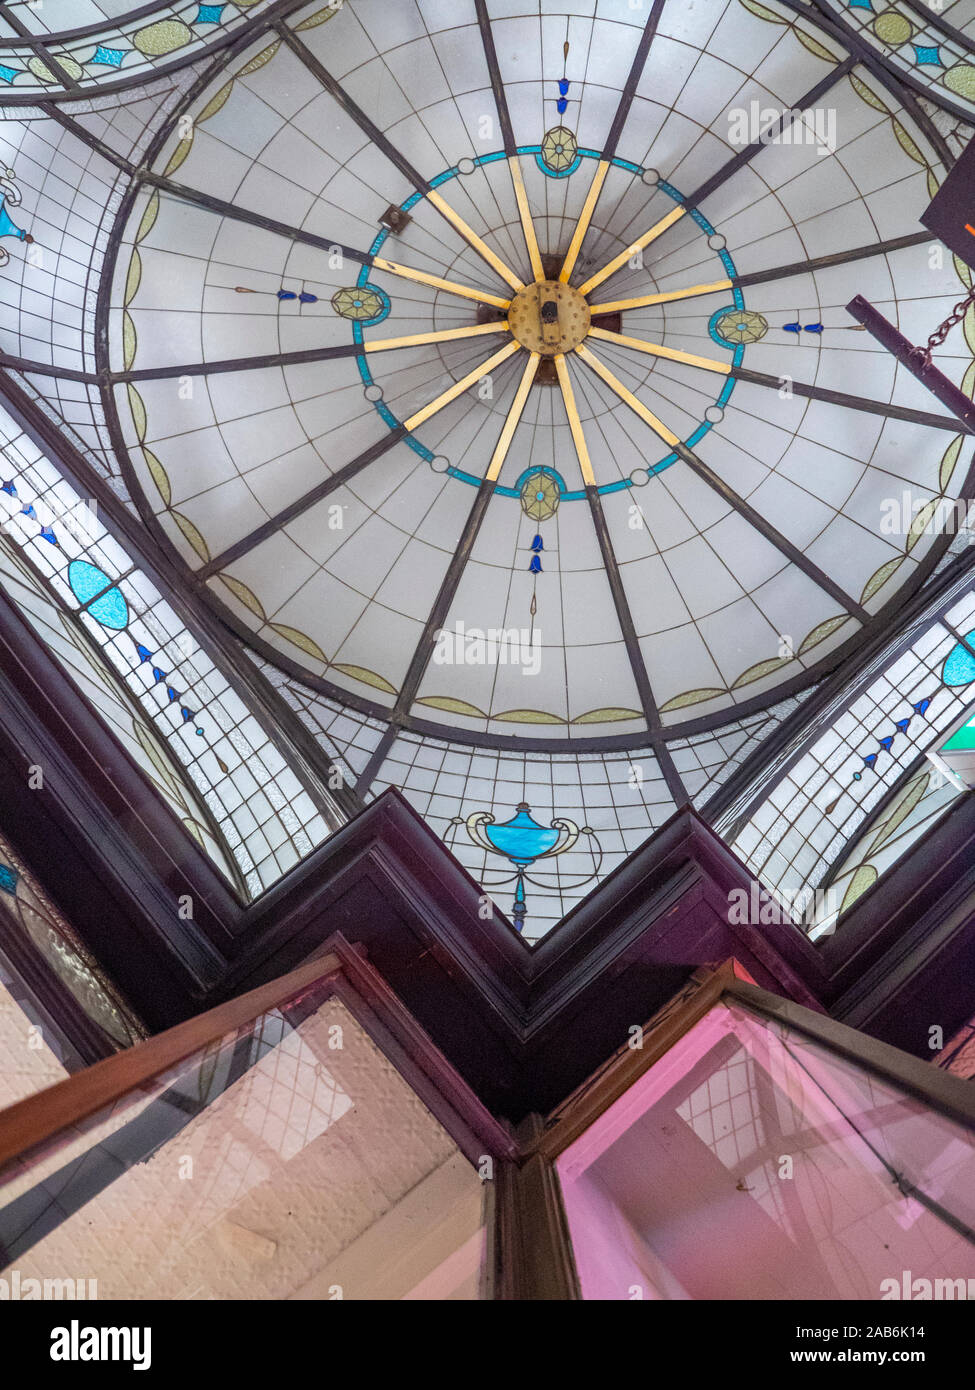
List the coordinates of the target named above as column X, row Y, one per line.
column 750, row 1162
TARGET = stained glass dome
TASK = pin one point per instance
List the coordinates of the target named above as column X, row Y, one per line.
column 348, row 251
column 484, row 366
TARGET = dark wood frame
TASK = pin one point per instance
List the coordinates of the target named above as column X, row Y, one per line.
column 532, row 1255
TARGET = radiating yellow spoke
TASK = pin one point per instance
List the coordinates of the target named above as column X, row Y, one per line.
column 637, row 406
column 707, row 364
column 459, row 387
column 446, row 335
column 514, row 415
column 656, row 230
column 575, row 424
column 643, row 301
column 481, row 247
column 585, row 217
column 528, row 226
column 448, row 286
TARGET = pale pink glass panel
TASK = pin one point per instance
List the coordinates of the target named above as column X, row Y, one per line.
column 751, row 1163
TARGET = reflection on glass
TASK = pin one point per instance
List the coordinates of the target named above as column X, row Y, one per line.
column 751, row 1162
column 291, row 1160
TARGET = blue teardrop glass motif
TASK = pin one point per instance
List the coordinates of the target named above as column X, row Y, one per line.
column 110, row 608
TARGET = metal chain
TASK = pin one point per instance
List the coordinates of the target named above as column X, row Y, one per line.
column 941, row 333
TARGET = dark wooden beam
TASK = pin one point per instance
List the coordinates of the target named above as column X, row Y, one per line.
column 368, row 127
column 445, row 596
column 23, row 364
column 634, row 651
column 237, row 364
column 823, row 393
column 296, row 508
column 743, row 157
column 254, row 219
column 633, row 79
column 902, row 84
column 451, row 580
column 927, row 14
column 64, row 119
column 36, row 42
column 915, row 360
column 494, row 71
column 814, row 263
column 376, row 759
column 775, row 537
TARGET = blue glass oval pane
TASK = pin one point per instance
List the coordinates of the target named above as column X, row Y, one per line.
column 110, row 608
column 959, row 667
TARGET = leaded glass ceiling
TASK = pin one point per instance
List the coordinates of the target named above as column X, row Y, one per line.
column 404, row 324
column 676, row 536
column 929, row 45
column 67, row 46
